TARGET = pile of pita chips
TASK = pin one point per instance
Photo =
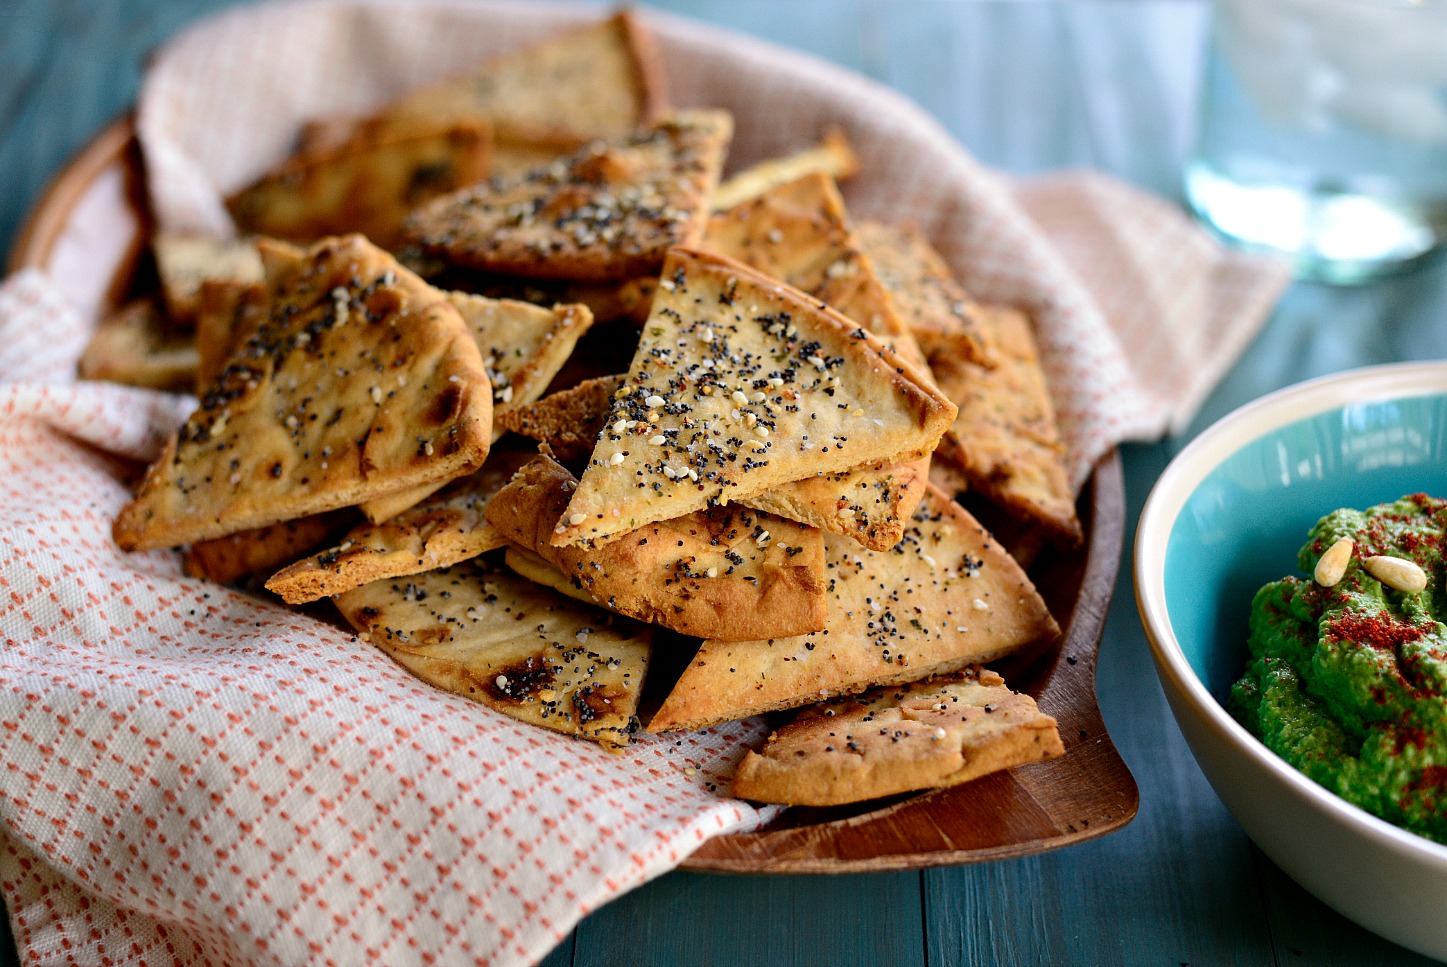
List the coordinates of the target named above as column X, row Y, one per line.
column 740, row 456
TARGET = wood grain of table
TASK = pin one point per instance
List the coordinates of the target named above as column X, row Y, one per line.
column 1028, row 86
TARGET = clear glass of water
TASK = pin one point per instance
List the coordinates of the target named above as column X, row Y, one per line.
column 1323, row 132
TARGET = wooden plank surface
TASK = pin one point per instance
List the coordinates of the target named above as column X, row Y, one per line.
column 1027, row 86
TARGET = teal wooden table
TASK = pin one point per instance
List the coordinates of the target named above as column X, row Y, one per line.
column 1027, row 85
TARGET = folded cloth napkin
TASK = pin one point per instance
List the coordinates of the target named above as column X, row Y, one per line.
column 194, row 775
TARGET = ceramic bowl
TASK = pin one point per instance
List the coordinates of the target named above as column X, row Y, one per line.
column 1228, row 515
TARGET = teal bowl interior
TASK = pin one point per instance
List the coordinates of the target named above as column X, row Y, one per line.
column 1245, row 522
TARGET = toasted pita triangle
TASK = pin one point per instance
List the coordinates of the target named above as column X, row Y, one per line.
column 523, row 346
column 134, row 346
column 535, row 569
column 947, row 596
column 893, row 740
column 261, row 550
column 569, row 420
column 186, row 261
column 438, row 532
column 481, row 632
column 367, row 184
column 870, row 504
column 833, row 156
column 599, row 81
column 798, row 232
column 924, row 292
column 1005, row 436
column 724, row 572
column 608, row 211
column 362, row 381
column 819, row 395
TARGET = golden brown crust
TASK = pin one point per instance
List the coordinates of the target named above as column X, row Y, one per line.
column 481, row 632
column 133, row 346
column 434, row 534
column 1004, row 439
column 184, row 261
column 601, row 80
column 798, row 232
column 228, row 313
column 259, row 552
column 923, row 291
column 894, row 740
column 819, row 395
column 568, row 421
column 726, row 572
column 363, row 381
column 947, row 596
column 608, row 211
column 833, row 156
column 366, row 184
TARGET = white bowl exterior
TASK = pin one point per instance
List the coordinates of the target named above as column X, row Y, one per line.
column 1386, row 879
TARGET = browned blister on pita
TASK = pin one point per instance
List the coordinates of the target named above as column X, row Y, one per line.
column 185, row 261
column 262, row 550
column 924, row 292
column 608, row 211
column 888, row 741
column 438, row 532
column 366, row 184
column 833, row 156
column 363, row 381
column 1005, row 435
column 724, row 572
column 134, row 346
column 945, row 597
column 481, row 632
column 741, row 384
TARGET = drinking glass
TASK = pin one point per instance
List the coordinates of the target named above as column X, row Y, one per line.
column 1323, row 132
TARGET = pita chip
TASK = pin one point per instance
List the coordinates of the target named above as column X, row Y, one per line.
column 262, row 550
column 1005, row 437
column 924, row 292
column 870, row 504
column 485, row 634
column 945, row 597
column 568, row 421
column 833, row 156
column 603, row 80
column 437, row 533
column 135, row 347
column 362, row 381
column 367, row 184
column 184, row 261
column 523, row 346
column 608, row 211
column 740, row 384
column 798, row 232
column 724, row 572
column 888, row 741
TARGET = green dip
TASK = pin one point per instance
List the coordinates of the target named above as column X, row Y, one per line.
column 1346, row 683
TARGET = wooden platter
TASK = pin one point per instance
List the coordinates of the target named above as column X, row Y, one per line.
column 1084, row 794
